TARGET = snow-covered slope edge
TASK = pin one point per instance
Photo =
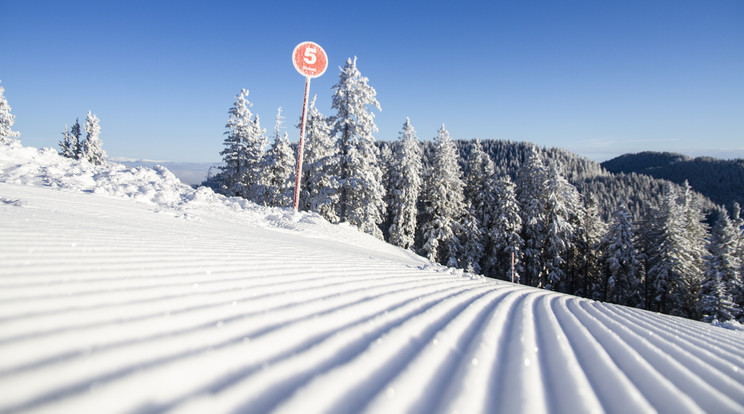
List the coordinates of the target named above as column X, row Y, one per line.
column 156, row 187
column 131, row 292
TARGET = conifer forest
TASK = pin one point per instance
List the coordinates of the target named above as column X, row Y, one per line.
column 508, row 210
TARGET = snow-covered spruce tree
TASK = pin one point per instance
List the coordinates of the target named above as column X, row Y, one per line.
column 505, row 233
column 243, row 153
column 738, row 223
column 562, row 211
column 320, row 167
column 71, row 145
column 648, row 231
column 6, row 120
column 385, row 161
column 716, row 303
column 697, row 234
column 531, row 183
column 405, row 186
column 68, row 144
column 722, row 274
column 444, row 204
column 93, row 147
column 734, row 280
column 279, row 168
column 77, row 136
column 480, row 196
column 479, row 191
column 669, row 256
column 619, row 262
column 587, row 252
column 473, row 245
column 361, row 193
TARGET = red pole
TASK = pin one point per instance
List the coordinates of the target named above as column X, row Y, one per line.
column 301, row 145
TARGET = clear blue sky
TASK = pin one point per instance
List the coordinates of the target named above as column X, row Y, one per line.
column 599, row 78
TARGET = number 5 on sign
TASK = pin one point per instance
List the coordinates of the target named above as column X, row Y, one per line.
column 310, row 57
column 311, row 61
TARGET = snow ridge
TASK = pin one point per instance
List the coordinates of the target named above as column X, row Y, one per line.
column 122, row 290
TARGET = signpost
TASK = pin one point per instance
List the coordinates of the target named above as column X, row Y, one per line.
column 311, row 61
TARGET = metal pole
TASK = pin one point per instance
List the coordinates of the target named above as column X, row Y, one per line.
column 301, row 145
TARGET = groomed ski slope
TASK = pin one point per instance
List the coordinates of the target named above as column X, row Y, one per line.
column 124, row 291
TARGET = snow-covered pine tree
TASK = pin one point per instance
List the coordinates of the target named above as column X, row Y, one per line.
column 738, row 224
column 71, row 145
column 68, row 147
column 561, row 218
column 320, row 167
column 244, row 150
column 385, row 161
column 531, row 184
column 716, row 303
column 361, row 193
column 93, row 146
column 443, row 202
column 479, row 183
column 279, row 168
column 234, row 155
column 480, row 196
column 669, row 255
column 473, row 247
column 722, row 275
column 255, row 177
column 77, row 136
column 647, row 232
column 697, row 234
column 619, row 262
column 587, row 252
column 505, row 233
column 405, row 187
column 6, row 120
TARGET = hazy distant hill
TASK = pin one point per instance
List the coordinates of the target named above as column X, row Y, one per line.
column 191, row 173
column 720, row 180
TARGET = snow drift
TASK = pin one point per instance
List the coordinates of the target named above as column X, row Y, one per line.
column 124, row 290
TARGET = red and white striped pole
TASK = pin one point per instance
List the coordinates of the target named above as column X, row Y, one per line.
column 311, row 61
column 301, row 146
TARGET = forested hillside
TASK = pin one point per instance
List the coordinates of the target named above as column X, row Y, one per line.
column 720, row 180
column 640, row 193
column 509, row 210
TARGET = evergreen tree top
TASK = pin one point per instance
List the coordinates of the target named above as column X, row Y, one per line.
column 278, row 124
column 442, row 134
column 6, row 118
column 351, row 96
column 408, row 133
column 240, row 114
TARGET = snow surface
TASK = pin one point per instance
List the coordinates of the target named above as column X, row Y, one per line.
column 191, row 173
column 124, row 290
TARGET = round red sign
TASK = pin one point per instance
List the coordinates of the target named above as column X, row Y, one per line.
column 310, row 59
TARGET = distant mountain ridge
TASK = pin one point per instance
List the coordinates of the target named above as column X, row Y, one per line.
column 640, row 193
column 720, row 180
